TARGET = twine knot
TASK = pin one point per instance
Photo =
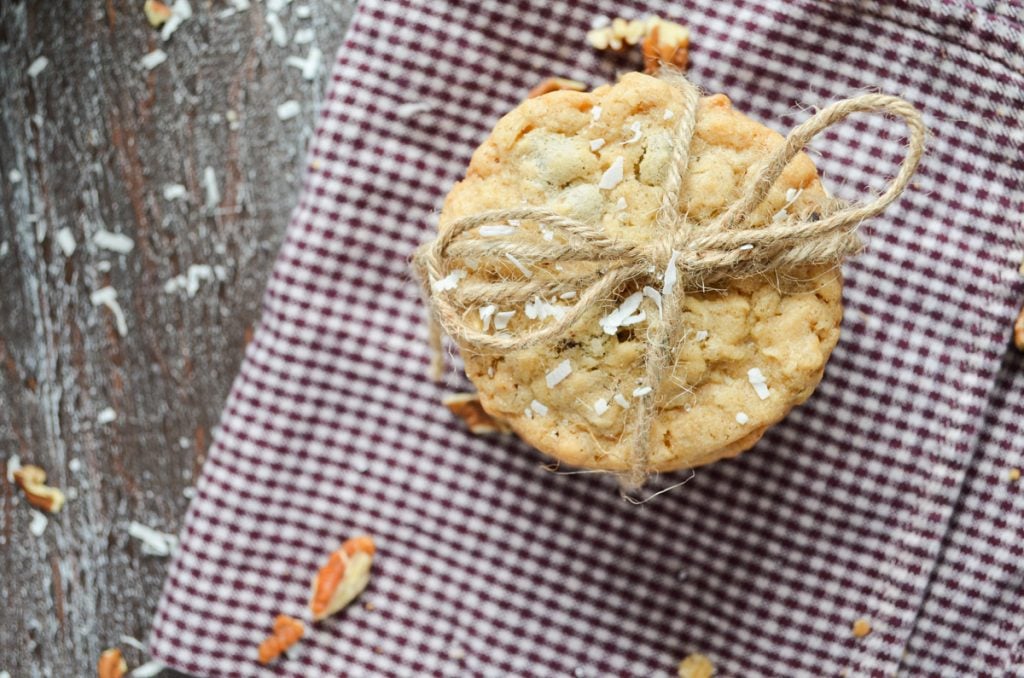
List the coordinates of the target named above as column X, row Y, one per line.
column 687, row 257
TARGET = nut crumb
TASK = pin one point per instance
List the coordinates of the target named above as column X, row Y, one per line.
column 1014, row 475
column 157, row 13
column 861, row 628
column 287, row 631
column 696, row 666
column 369, row 607
column 111, row 664
column 467, row 407
column 32, row 479
column 556, row 85
column 343, row 577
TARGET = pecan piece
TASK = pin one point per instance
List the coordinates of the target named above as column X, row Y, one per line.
column 666, row 43
column 111, row 664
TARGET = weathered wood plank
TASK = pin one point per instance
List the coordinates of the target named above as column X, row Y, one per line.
column 94, row 138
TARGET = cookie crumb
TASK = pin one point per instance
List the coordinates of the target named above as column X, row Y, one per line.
column 696, row 666
column 287, row 632
column 861, row 628
column 467, row 407
column 1014, row 475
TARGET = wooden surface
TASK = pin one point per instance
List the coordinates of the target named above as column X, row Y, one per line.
column 95, row 137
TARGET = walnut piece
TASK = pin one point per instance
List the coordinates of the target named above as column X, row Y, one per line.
column 555, row 85
column 111, row 664
column 666, row 43
column 467, row 407
column 32, row 479
column 663, row 42
column 343, row 577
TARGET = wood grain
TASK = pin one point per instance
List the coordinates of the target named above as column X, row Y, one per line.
column 95, row 138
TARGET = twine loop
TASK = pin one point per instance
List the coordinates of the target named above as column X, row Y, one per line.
column 688, row 257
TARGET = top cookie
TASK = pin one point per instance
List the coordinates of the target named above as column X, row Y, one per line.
column 751, row 350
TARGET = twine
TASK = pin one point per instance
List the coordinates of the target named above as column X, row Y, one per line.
column 686, row 258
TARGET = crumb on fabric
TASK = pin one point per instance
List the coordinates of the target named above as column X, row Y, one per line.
column 861, row 627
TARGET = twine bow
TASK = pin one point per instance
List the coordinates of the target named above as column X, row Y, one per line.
column 686, row 258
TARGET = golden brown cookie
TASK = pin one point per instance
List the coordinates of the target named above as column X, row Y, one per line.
column 751, row 351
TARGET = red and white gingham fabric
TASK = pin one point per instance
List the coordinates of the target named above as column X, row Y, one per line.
column 885, row 496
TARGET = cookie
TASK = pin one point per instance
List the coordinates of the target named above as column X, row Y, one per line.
column 752, row 349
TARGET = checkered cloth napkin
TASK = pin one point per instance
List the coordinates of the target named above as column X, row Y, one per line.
column 885, row 497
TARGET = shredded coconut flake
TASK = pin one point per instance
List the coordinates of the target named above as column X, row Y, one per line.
column 115, row 242
column 38, row 524
column 174, row 192
column 304, row 36
column 792, row 194
column 66, row 241
column 668, row 115
column 131, row 641
column 558, row 375
column 655, row 296
column 621, row 401
column 449, row 282
column 637, row 133
column 701, row 335
column 595, row 113
column 494, row 231
column 154, row 542
column 620, row 205
column 541, row 309
column 181, row 11
column 596, row 144
column 107, row 296
column 486, row 313
column 4, row 248
column 641, row 391
column 539, row 407
column 102, row 266
column 413, row 108
column 289, row 109
column 277, row 31
column 547, row 234
column 528, row 413
column 671, row 275
column 303, row 12
column 600, row 406
column 634, row 319
column 147, row 670
column 780, row 215
column 518, row 264
column 14, row 176
column 571, row 294
column 189, row 281
column 502, row 318
column 13, row 464
column 37, row 66
column 75, row 465
column 106, row 415
column 745, row 248
column 611, row 322
column 760, row 384
column 212, row 191
column 153, row 59
column 310, row 66
column 742, row 418
column 612, row 176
